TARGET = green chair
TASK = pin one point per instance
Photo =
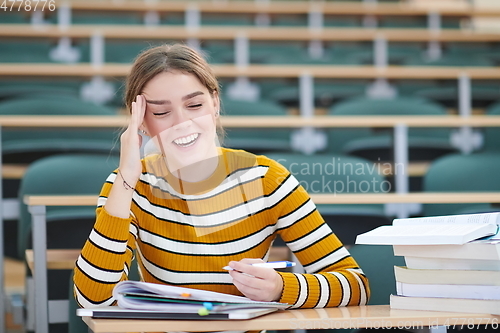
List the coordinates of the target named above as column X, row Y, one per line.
column 68, row 227
column 256, row 140
column 235, row 19
column 126, row 51
column 482, row 96
column 173, row 18
column 452, row 59
column 218, row 51
column 26, row 52
column 462, row 173
column 344, row 21
column 29, row 144
column 65, row 174
column 377, row 144
column 491, row 137
column 36, row 90
column 289, row 20
column 15, row 17
column 403, row 22
column 377, row 262
column 325, row 93
column 336, row 174
column 94, row 17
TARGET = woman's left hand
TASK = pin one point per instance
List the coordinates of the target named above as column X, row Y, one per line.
column 256, row 283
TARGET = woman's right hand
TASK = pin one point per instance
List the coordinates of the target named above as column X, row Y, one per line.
column 131, row 140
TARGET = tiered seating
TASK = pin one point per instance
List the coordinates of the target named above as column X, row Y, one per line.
column 352, row 52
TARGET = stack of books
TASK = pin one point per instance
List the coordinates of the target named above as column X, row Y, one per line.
column 452, row 262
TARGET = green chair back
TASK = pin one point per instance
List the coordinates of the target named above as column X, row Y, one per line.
column 452, row 59
column 482, row 95
column 256, row 140
column 492, row 134
column 462, row 173
column 26, row 52
column 378, row 142
column 28, row 144
column 339, row 174
column 69, row 174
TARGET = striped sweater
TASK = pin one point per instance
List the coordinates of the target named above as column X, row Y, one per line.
column 184, row 233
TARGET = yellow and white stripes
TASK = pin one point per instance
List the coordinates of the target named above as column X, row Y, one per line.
column 184, row 235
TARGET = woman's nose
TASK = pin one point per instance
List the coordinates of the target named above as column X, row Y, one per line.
column 182, row 119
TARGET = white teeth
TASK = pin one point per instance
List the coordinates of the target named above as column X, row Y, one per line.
column 187, row 140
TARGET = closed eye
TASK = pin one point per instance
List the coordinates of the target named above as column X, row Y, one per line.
column 161, row 113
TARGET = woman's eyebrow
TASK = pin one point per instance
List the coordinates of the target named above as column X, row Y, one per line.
column 160, row 102
column 191, row 95
column 185, row 98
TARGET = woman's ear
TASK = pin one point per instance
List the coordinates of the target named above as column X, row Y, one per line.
column 216, row 103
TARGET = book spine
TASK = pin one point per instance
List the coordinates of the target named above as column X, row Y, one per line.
column 458, row 264
column 448, row 291
column 443, row 276
column 445, row 304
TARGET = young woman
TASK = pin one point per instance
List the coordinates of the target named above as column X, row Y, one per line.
column 193, row 207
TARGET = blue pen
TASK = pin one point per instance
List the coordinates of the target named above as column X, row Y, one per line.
column 270, row 264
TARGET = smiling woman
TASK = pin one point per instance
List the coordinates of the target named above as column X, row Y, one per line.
column 188, row 207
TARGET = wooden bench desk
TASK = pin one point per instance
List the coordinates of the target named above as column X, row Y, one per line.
column 351, row 317
column 251, row 32
column 262, row 71
column 286, row 7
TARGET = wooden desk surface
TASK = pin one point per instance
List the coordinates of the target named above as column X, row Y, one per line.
column 296, row 7
column 251, row 32
column 288, row 121
column 377, row 316
column 56, row 258
column 263, row 71
column 342, row 198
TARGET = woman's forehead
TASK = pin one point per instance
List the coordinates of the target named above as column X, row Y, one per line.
column 173, row 84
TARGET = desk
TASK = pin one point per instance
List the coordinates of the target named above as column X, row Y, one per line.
column 371, row 316
column 251, row 32
column 295, row 7
column 263, row 71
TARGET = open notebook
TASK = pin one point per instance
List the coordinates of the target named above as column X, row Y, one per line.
column 119, row 313
column 143, row 300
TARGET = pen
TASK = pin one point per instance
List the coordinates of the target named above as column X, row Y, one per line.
column 270, row 264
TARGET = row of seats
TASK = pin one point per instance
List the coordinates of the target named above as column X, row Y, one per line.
column 235, row 19
column 261, row 52
column 23, row 146
column 371, row 143
column 283, row 91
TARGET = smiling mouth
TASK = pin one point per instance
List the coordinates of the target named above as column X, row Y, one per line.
column 187, row 140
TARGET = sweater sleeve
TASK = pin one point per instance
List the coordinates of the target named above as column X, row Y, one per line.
column 332, row 277
column 106, row 256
